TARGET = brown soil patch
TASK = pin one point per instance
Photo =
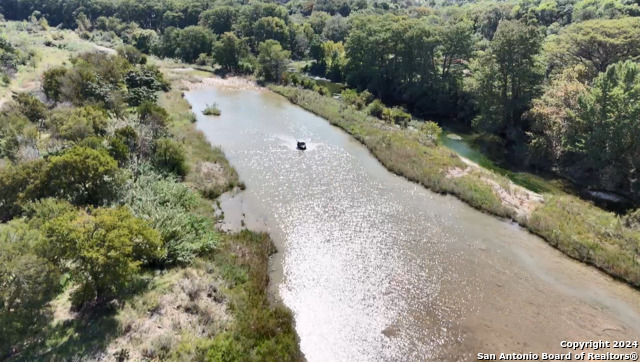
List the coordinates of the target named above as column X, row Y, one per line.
column 515, row 197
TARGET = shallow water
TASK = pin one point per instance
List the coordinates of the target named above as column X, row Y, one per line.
column 376, row 268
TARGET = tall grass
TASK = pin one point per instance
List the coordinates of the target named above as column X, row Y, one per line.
column 212, row 110
column 575, row 227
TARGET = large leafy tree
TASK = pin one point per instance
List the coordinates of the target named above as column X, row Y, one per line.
column 552, row 116
column 219, row 19
column 84, row 176
column 507, row 77
column 272, row 60
column 104, row 250
column 596, row 44
column 607, row 131
column 230, row 51
column 28, row 281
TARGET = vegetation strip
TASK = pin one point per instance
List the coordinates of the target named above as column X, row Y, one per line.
column 108, row 246
column 575, row 227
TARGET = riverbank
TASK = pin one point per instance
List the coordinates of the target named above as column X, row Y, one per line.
column 575, row 227
column 217, row 305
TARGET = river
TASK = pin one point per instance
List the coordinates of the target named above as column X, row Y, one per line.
column 376, row 268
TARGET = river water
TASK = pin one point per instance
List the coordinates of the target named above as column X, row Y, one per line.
column 376, row 268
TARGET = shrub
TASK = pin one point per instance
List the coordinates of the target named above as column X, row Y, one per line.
column 167, row 205
column 78, row 123
column 376, row 108
column 27, row 283
column 351, row 96
column 130, row 53
column 85, row 240
column 30, row 106
column 52, row 83
column 432, row 131
column 212, row 110
column 19, row 184
column 169, row 156
column 400, row 117
column 323, row 91
column 154, row 117
column 84, row 176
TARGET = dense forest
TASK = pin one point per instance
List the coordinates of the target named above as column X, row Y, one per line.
column 550, row 84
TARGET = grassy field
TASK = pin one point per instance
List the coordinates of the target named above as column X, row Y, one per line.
column 49, row 47
column 575, row 227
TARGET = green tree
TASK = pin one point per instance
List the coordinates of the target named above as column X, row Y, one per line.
column 84, row 176
column 52, row 81
column 143, row 39
column 272, row 60
column 596, row 44
column 219, row 19
column 27, row 283
column 229, row 52
column 193, row 41
column 30, row 106
column 507, row 77
column 607, row 131
column 103, row 251
column 169, row 156
column 552, row 115
column 19, row 184
column 270, row 28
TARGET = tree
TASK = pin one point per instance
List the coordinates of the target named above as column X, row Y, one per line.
column 19, row 184
column 507, row 77
column 30, row 106
column 272, row 60
column 318, row 20
column 607, row 131
column 103, row 250
column 193, row 41
column 84, row 176
column 169, row 156
column 143, row 39
column 596, row 44
column 270, row 28
column 229, row 51
column 336, row 29
column 76, row 124
column 28, row 281
column 552, row 115
column 52, row 81
column 219, row 19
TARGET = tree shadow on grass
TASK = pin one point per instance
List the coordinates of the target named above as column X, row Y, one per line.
column 87, row 334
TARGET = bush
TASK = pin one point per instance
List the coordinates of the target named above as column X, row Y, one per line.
column 323, row 91
column 351, row 96
column 168, row 205
column 84, row 176
column 83, row 240
column 27, row 283
column 19, row 184
column 400, row 117
column 212, row 110
column 131, row 53
column 169, row 156
column 78, row 123
column 432, row 131
column 376, row 108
